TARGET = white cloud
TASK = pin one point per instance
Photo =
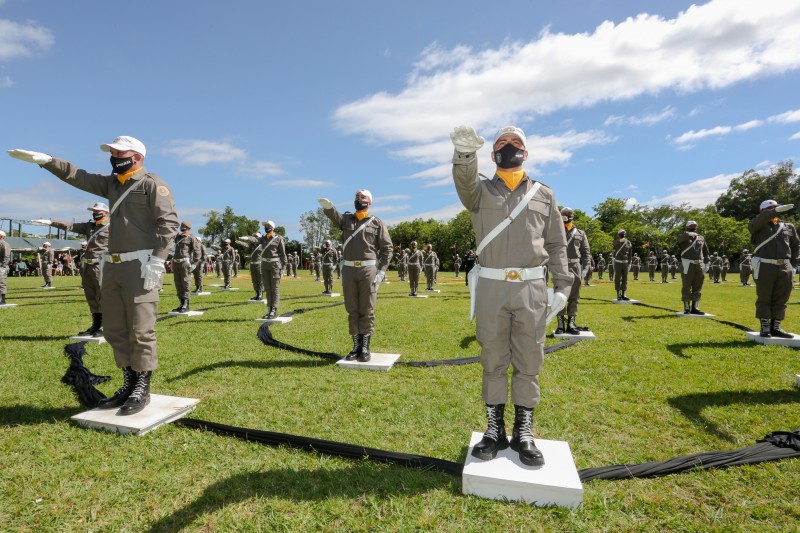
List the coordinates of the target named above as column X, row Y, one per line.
column 692, row 135
column 786, row 118
column 261, row 169
column 795, row 137
column 630, row 202
column 46, row 199
column 647, row 119
column 302, row 183
column 380, row 209
column 389, row 197
column 200, row 152
column 6, row 82
column 23, row 40
column 699, row 193
column 748, row 125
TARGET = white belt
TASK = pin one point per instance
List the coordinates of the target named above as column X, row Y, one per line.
column 90, row 261
column 620, row 261
column 255, row 262
column 513, row 274
column 271, row 259
column 773, row 261
column 141, row 255
column 328, row 264
column 362, row 263
column 184, row 260
column 575, row 261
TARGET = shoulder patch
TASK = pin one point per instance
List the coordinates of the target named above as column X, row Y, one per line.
column 162, row 190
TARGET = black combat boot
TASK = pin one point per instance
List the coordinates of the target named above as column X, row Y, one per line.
column 356, row 348
column 494, row 439
column 119, row 397
column 256, row 297
column 97, row 324
column 696, row 310
column 364, row 355
column 522, row 437
column 273, row 312
column 623, row 297
column 766, row 327
column 2, row 299
column 687, row 307
column 140, row 396
column 776, row 331
column 619, row 295
column 183, row 307
column 572, row 329
column 560, row 329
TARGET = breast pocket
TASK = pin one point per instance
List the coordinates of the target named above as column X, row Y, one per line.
column 536, row 215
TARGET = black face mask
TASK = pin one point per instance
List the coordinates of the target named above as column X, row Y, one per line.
column 184, row 228
column 360, row 205
column 120, row 165
column 509, row 156
column 98, row 215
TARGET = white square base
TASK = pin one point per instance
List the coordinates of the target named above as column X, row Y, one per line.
column 797, row 380
column 506, row 478
column 332, row 295
column 584, row 335
column 794, row 342
column 433, row 290
column 625, row 302
column 8, row 305
column 79, row 338
column 379, row 361
column 203, row 293
column 230, row 289
column 161, row 410
column 47, row 288
column 264, row 302
column 418, row 296
column 690, row 315
column 279, row 319
column 187, row 313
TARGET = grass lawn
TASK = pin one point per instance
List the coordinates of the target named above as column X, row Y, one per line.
column 651, row 387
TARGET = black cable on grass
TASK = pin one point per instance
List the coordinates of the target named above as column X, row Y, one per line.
column 265, row 336
column 80, row 378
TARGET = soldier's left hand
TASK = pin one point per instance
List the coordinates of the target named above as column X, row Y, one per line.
column 379, row 277
column 152, row 272
column 559, row 303
column 466, row 139
column 42, row 222
column 784, row 208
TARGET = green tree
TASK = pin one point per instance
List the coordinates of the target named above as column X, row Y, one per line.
column 317, row 227
column 226, row 225
column 612, row 213
column 745, row 193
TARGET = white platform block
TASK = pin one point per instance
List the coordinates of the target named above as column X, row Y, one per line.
column 625, row 302
column 433, row 290
column 794, row 342
column 378, row 361
column 264, row 302
column 584, row 335
column 230, row 289
column 690, row 315
column 8, row 305
column 279, row 320
column 216, row 284
column 161, row 410
column 203, row 293
column 47, row 288
column 331, row 295
column 187, row 313
column 87, row 338
column 506, row 478
column 797, row 380
column 418, row 296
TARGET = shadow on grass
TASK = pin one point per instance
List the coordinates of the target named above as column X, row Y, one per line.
column 350, row 482
column 692, row 405
column 266, row 365
column 650, row 317
column 466, row 341
column 19, row 415
column 678, row 348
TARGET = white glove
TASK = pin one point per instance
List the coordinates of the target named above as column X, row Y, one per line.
column 783, row 208
column 30, row 157
column 41, row 222
column 466, row 140
column 152, row 272
column 325, row 203
column 559, row 303
column 379, row 277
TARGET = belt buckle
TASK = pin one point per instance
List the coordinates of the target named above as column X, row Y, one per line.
column 115, row 258
column 357, row 263
column 781, row 261
column 512, row 275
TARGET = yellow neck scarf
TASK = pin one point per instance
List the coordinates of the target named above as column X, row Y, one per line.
column 101, row 221
column 269, row 235
column 568, row 225
column 122, row 178
column 511, row 179
column 361, row 215
column 774, row 220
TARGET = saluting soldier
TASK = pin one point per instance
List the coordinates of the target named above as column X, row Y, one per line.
column 96, row 232
column 457, row 264
column 142, row 226
column 511, row 297
column 200, row 269
column 5, row 260
column 367, row 250
column 579, row 260
column 48, row 259
column 716, row 267
column 775, row 258
column 622, row 256
column 636, row 265
column 652, row 263
column 745, row 268
column 295, row 264
column 255, row 263
column 664, row 265
column 235, row 263
column 272, row 261
column 227, row 262
column 415, row 261
column 610, row 268
column 329, row 260
column 601, row 266
column 431, row 264
column 694, row 262
column 726, row 265
column 184, row 260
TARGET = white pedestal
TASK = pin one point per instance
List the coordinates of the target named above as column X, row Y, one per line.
column 8, row 305
column 216, row 284
column 506, row 478
column 797, row 380
column 278, row 319
column 332, row 295
column 794, row 342
column 625, row 302
column 584, row 335
column 418, row 296
column 87, row 338
column 47, row 288
column 187, row 313
column 204, row 293
column 433, row 290
column 378, row 361
column 681, row 314
column 264, row 302
column 230, row 289
column 161, row 410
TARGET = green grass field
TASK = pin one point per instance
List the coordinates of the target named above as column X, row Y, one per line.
column 651, row 387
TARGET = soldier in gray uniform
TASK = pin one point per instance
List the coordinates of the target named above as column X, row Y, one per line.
column 601, row 266
column 622, row 255
column 588, row 275
column 329, row 260
column 457, row 265
column 255, row 263
column 96, row 232
column 745, row 268
column 5, row 260
column 579, row 260
column 272, row 261
column 200, row 268
column 317, row 265
column 226, row 257
column 652, row 263
column 143, row 223
column 716, row 267
column 296, row 264
column 402, row 265
column 415, row 260
column 430, row 262
column 48, row 259
column 218, row 262
column 694, row 262
column 665, row 259
column 726, row 265
column 184, row 260
column 235, row 263
column 775, row 258
column 673, row 266
column 367, row 250
column 511, row 296
column 636, row 265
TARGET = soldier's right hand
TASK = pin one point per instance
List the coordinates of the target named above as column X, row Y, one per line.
column 42, row 222
column 466, row 139
column 783, row 208
column 325, row 203
column 31, row 157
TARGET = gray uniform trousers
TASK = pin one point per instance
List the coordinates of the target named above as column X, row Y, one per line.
column 182, row 275
column 503, row 306
column 271, row 278
column 327, row 275
column 47, row 272
column 773, row 289
column 620, row 276
column 198, row 274
column 651, row 270
column 413, row 277
column 129, row 315
column 360, row 298
column 91, row 281
column 692, row 282
column 744, row 274
column 571, row 309
column 227, row 266
column 256, row 277
column 430, row 275
column 3, row 275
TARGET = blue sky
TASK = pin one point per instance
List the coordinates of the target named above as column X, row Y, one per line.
column 267, row 106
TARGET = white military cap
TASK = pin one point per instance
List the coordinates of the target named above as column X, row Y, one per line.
column 124, row 143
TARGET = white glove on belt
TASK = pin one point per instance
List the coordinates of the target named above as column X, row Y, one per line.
column 152, row 272
column 30, row 157
column 559, row 303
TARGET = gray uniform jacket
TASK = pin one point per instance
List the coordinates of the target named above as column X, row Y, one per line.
column 96, row 236
column 373, row 242
column 578, row 248
column 145, row 220
column 431, row 259
column 258, row 249
column 622, row 249
column 5, row 253
column 186, row 248
column 331, row 257
column 785, row 246
column 274, row 248
column 415, row 259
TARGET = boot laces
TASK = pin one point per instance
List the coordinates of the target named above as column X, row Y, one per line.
column 525, row 431
column 139, row 389
column 127, row 382
column 493, row 429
